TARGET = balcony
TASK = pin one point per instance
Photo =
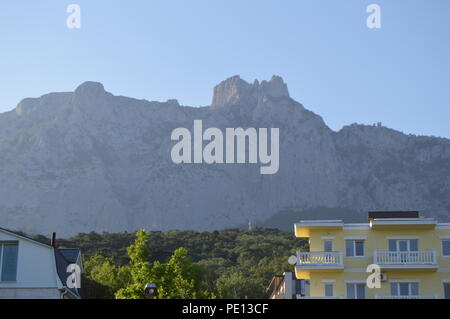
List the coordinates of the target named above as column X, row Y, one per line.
column 406, row 259
column 320, row 260
column 406, row 297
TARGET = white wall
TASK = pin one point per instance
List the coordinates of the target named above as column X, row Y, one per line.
column 35, row 265
column 29, row 293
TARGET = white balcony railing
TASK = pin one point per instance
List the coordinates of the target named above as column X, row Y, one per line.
column 406, row 297
column 426, row 257
column 320, row 258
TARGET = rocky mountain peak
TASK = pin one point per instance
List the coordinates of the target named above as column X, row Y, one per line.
column 234, row 90
column 90, row 94
column 90, row 88
column 231, row 91
column 274, row 88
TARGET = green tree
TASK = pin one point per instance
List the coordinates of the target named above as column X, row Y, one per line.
column 140, row 268
column 236, row 284
column 179, row 278
column 232, row 262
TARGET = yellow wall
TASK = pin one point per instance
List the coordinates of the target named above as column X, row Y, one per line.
column 430, row 283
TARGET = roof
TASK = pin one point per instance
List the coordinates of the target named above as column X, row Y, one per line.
column 23, row 236
column 61, row 268
column 70, row 254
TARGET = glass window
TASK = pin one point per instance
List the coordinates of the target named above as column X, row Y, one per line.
column 447, row 291
column 361, row 291
column 359, row 247
column 403, row 245
column 414, row 289
column 405, row 289
column 9, row 262
column 414, row 245
column 351, row 291
column 354, row 248
column 328, row 246
column 328, row 290
column 446, row 247
column 356, row 291
column 349, row 248
column 392, row 245
column 394, row 289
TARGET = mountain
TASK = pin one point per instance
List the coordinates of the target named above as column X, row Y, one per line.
column 90, row 161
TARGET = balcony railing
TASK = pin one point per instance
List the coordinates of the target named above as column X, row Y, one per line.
column 406, row 297
column 319, row 258
column 426, row 257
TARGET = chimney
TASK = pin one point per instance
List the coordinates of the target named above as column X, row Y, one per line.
column 53, row 242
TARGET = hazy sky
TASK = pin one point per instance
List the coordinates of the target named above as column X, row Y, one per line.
column 158, row 50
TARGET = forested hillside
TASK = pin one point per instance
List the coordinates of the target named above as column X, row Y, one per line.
column 232, row 263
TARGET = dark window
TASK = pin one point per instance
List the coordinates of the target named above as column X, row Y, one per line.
column 446, row 247
column 405, row 289
column 447, row 291
column 8, row 259
column 359, row 248
column 328, row 246
column 328, row 290
column 349, row 248
column 356, row 291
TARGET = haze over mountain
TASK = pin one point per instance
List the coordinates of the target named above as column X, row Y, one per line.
column 90, row 161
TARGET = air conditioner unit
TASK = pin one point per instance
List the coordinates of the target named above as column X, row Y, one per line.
column 383, row 277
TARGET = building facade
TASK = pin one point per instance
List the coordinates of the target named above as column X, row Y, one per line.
column 411, row 252
column 30, row 269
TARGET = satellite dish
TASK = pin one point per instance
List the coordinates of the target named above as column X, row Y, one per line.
column 292, row 260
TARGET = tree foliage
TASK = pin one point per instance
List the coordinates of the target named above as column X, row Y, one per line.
column 185, row 264
column 178, row 278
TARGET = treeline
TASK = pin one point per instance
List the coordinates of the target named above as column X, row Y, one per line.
column 221, row 264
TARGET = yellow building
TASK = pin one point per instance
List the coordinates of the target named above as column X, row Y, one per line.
column 412, row 252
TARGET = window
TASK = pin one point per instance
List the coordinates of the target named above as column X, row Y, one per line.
column 8, row 261
column 447, row 291
column 404, row 288
column 328, row 290
column 446, row 248
column 328, row 246
column 354, row 248
column 356, row 291
column 403, row 245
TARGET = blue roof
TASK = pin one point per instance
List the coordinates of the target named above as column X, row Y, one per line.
column 70, row 254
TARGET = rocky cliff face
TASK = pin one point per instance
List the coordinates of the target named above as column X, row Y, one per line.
column 90, row 161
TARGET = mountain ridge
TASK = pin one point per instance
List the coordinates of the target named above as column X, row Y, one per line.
column 91, row 161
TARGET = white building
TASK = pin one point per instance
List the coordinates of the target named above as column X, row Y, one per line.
column 30, row 269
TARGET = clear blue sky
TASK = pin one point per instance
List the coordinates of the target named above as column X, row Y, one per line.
column 157, row 50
